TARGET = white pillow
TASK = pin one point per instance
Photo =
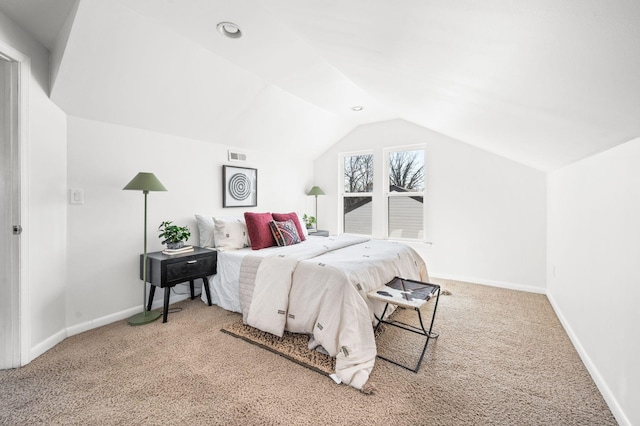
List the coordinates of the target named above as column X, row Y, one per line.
column 230, row 233
column 205, row 229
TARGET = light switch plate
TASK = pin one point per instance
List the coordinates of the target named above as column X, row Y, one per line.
column 76, row 196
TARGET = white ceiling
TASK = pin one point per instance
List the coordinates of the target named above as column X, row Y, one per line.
column 41, row 18
column 543, row 82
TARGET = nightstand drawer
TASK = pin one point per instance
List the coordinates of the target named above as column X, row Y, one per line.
column 190, row 268
column 167, row 271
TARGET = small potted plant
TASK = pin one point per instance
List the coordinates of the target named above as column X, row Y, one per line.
column 309, row 221
column 172, row 235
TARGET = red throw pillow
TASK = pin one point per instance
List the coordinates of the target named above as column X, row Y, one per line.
column 283, row 217
column 259, row 231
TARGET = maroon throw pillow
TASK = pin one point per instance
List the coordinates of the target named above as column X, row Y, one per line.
column 259, row 231
column 283, row 217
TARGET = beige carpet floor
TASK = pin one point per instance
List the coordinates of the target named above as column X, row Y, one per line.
column 502, row 358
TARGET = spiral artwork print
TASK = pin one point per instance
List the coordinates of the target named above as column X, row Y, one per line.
column 240, row 186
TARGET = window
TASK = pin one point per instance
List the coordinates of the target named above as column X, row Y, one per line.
column 383, row 192
column 405, row 199
column 358, row 193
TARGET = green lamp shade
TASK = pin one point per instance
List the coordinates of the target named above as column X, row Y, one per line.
column 145, row 182
column 315, row 191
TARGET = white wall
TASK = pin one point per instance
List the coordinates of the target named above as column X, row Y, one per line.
column 593, row 279
column 106, row 232
column 45, row 183
column 485, row 214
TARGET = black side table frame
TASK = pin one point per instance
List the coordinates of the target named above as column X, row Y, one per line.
column 167, row 294
column 429, row 334
column 166, row 271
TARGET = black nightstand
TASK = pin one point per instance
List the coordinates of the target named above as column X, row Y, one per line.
column 166, row 271
column 319, row 233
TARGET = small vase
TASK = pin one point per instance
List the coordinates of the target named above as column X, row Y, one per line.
column 174, row 246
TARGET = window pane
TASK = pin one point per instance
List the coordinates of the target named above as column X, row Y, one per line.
column 406, row 171
column 357, row 215
column 358, row 173
column 405, row 217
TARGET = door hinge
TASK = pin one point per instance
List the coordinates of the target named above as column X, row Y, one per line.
column 17, row 229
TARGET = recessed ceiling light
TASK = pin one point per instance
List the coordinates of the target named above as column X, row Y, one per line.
column 229, row 29
column 357, row 108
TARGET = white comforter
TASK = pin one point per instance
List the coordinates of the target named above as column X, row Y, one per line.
column 320, row 289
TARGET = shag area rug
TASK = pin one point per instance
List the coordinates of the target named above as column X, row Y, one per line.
column 405, row 347
column 292, row 346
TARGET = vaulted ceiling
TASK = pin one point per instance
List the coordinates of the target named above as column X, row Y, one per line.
column 542, row 82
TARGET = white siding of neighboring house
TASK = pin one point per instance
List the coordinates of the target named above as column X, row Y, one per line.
column 405, row 218
column 358, row 221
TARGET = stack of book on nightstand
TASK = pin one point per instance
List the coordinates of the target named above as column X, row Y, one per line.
column 181, row 250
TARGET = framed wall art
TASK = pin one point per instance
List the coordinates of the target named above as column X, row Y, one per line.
column 240, row 186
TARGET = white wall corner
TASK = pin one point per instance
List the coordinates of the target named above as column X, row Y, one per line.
column 608, row 396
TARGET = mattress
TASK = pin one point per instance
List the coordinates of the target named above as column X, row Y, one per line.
column 225, row 284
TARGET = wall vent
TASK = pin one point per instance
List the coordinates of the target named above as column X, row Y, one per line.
column 237, row 156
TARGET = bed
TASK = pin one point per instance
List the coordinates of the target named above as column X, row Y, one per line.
column 316, row 287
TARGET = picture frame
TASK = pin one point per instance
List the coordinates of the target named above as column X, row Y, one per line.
column 239, row 186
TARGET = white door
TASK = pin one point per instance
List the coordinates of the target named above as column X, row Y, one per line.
column 9, row 217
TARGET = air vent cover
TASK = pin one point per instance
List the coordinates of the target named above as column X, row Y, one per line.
column 237, row 156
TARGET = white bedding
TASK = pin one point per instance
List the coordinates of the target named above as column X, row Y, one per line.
column 225, row 284
column 318, row 288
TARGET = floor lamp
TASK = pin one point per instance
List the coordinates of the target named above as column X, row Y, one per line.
column 316, row 191
column 144, row 182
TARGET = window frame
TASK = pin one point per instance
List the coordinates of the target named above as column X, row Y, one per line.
column 343, row 193
column 387, row 194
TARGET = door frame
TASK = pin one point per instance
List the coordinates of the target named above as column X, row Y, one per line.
column 20, row 279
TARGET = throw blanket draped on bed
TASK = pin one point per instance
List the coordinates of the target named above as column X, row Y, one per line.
column 321, row 290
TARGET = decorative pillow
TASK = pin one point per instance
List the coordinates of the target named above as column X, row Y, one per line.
column 259, row 231
column 230, row 233
column 282, row 217
column 205, row 230
column 285, row 232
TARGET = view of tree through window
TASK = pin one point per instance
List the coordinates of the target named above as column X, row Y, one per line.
column 358, row 173
column 406, row 171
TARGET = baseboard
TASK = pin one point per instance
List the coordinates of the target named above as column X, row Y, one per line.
column 608, row 396
column 47, row 344
column 108, row 319
column 500, row 284
column 99, row 322
column 58, row 337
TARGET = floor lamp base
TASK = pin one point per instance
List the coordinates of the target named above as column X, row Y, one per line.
column 144, row 317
